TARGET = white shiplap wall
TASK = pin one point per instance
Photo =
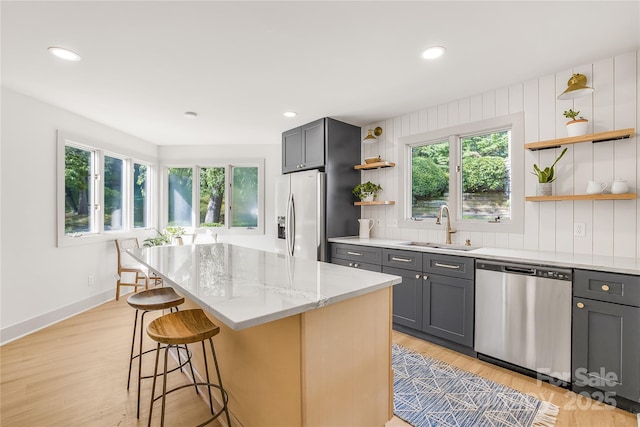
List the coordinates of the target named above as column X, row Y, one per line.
column 612, row 227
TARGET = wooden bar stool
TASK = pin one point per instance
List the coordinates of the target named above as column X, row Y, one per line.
column 146, row 301
column 182, row 328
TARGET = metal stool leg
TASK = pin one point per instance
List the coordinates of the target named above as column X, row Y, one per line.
column 206, row 370
column 153, row 386
column 164, row 385
column 223, row 394
column 133, row 340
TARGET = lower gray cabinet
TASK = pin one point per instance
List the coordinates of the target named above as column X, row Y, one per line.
column 448, row 308
column 407, row 297
column 606, row 337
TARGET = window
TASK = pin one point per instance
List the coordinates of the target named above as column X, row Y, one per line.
column 244, row 197
column 180, row 191
column 99, row 191
column 141, row 198
column 212, row 197
column 114, row 192
column 227, row 196
column 468, row 168
column 79, row 190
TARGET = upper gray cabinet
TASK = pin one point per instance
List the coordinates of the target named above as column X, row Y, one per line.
column 303, row 147
column 318, row 144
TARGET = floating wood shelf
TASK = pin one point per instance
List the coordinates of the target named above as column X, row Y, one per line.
column 376, row 165
column 624, row 196
column 375, row 202
column 593, row 137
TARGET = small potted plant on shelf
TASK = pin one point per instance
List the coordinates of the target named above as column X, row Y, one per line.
column 577, row 126
column 366, row 192
column 546, row 176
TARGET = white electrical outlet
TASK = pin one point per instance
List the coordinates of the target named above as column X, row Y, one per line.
column 579, row 229
column 90, row 280
column 392, row 223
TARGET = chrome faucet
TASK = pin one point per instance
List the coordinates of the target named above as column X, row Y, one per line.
column 448, row 230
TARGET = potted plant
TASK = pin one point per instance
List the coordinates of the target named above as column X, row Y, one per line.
column 167, row 236
column 576, row 127
column 174, row 234
column 546, row 176
column 366, row 192
column 156, row 241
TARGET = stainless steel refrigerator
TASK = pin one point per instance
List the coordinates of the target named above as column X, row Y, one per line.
column 300, row 214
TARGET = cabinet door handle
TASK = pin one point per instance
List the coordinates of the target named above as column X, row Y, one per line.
column 354, row 253
column 417, row 276
column 356, row 265
column 350, row 264
column 400, row 259
column 425, row 277
column 580, row 305
column 605, row 287
column 455, row 267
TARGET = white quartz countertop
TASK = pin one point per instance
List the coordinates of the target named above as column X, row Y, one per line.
column 245, row 287
column 559, row 259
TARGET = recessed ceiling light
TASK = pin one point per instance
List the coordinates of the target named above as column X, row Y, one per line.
column 191, row 115
column 290, row 114
column 433, row 52
column 63, row 53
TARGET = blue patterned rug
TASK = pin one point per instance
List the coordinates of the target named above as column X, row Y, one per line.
column 428, row 392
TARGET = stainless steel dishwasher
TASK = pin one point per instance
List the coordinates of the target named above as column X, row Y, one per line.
column 523, row 316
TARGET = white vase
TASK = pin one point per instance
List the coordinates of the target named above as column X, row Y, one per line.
column 577, row 127
column 368, row 198
column 544, row 189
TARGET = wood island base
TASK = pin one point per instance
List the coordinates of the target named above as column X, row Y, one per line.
column 326, row 367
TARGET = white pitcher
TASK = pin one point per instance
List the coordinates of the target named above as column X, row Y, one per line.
column 366, row 224
column 595, row 187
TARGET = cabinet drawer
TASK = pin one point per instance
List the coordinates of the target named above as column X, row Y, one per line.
column 449, row 265
column 361, row 265
column 402, row 259
column 358, row 253
column 610, row 287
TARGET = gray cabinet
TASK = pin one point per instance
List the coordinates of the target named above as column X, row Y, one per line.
column 606, row 337
column 407, row 296
column 303, row 147
column 316, row 144
column 435, row 298
column 362, row 257
column 448, row 298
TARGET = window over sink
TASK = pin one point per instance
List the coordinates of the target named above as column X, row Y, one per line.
column 470, row 168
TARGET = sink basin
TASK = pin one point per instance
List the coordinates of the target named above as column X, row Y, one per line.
column 441, row 246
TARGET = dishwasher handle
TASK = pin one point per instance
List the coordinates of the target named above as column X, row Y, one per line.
column 519, row 270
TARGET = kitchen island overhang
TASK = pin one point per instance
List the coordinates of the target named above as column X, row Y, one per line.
column 302, row 342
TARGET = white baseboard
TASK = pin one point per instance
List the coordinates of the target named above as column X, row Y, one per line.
column 13, row 332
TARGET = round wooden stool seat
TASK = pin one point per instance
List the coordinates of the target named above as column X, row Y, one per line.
column 182, row 327
column 155, row 299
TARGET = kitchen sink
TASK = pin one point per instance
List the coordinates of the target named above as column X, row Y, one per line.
column 441, row 246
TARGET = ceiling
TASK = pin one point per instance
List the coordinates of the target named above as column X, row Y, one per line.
column 240, row 65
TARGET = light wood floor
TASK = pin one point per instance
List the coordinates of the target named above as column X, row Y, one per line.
column 74, row 374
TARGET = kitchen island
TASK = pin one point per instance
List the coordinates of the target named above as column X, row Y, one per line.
column 301, row 343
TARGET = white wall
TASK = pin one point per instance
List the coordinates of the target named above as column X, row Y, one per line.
column 612, row 227
column 272, row 155
column 41, row 283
